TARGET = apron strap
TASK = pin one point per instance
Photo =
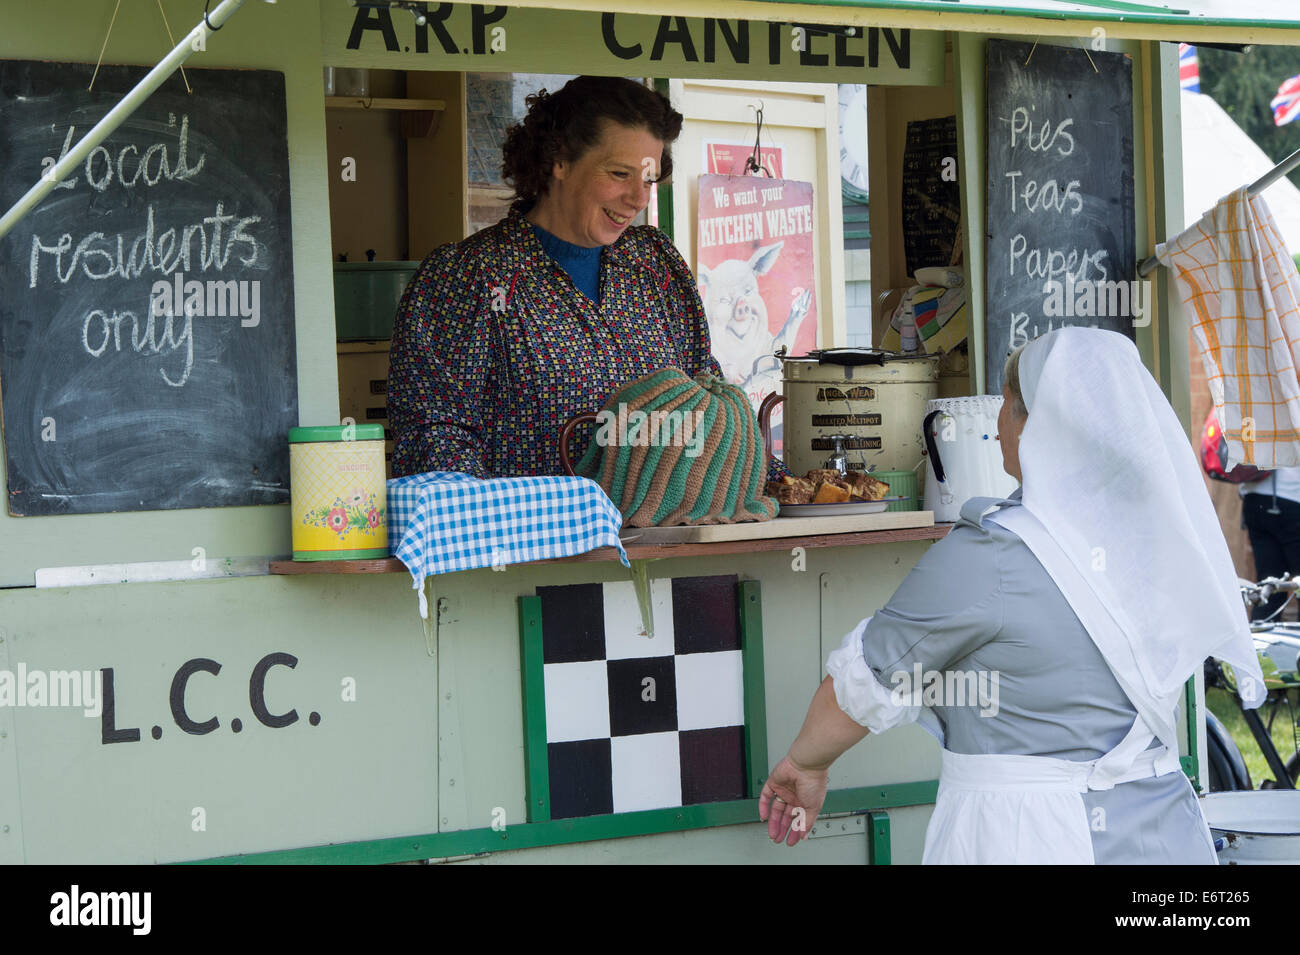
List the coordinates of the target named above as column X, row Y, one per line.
column 1123, row 763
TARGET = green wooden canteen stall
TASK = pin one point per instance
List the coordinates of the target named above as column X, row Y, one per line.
column 237, row 706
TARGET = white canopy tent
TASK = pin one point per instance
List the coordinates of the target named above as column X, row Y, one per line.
column 1219, row 157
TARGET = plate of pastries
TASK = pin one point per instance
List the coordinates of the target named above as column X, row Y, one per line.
column 826, row 491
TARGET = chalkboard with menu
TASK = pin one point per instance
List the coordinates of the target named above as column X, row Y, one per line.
column 147, row 356
column 1061, row 245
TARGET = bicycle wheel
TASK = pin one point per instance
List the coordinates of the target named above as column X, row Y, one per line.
column 1292, row 765
column 1226, row 770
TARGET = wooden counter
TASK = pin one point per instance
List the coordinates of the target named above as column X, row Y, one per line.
column 637, row 551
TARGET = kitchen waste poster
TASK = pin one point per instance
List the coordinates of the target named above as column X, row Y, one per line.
column 755, row 266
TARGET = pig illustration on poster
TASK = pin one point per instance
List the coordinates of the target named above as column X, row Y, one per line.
column 755, row 267
column 738, row 316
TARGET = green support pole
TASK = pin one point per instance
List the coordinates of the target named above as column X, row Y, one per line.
column 751, row 649
column 878, row 851
column 532, row 675
column 1189, row 762
column 665, row 189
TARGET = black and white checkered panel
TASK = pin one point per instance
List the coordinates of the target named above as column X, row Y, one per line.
column 634, row 722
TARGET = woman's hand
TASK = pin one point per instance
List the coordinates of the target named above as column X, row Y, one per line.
column 790, row 801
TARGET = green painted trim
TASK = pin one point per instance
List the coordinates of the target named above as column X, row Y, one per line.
column 665, row 195
column 971, row 79
column 751, row 655
column 1191, row 763
column 882, row 797
column 665, row 189
column 532, row 674
column 879, row 850
column 1121, row 5
column 851, row 193
column 1047, row 13
column 533, row 835
column 857, row 221
column 1162, row 105
column 330, row 433
column 374, row 553
column 1146, row 103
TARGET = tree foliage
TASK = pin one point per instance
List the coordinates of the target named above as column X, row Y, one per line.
column 1244, row 83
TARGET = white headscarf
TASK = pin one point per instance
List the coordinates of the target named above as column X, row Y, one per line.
column 1109, row 473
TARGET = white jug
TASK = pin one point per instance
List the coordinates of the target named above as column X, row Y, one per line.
column 963, row 456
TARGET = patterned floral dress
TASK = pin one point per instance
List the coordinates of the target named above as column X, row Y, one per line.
column 495, row 347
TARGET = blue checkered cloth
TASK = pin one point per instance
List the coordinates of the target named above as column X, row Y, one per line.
column 442, row 521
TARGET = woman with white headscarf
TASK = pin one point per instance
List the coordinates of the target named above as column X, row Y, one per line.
column 1079, row 606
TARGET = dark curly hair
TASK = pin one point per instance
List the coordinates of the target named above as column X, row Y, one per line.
column 565, row 124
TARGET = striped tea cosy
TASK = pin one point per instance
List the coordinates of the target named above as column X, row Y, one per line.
column 669, row 450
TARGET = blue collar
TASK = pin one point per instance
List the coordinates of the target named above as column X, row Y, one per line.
column 627, row 252
column 561, row 251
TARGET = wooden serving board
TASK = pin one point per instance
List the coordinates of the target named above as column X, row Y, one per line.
column 779, row 527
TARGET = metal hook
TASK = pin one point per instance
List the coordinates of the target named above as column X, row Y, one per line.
column 754, row 164
column 207, row 21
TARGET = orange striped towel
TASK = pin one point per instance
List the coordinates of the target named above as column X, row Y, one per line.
column 1242, row 290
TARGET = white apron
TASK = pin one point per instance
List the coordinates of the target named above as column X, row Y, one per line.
column 1026, row 810
column 1005, row 809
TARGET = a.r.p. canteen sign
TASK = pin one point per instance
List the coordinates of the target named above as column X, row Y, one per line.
column 474, row 37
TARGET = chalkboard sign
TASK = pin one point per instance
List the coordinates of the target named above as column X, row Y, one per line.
column 147, row 355
column 1061, row 248
column 931, row 193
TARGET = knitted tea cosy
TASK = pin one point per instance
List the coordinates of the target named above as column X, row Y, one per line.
column 669, row 449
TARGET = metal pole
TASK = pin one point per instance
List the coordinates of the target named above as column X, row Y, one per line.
column 1254, row 189
column 119, row 113
column 1276, row 173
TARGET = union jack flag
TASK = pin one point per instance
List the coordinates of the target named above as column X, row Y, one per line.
column 1286, row 104
column 1189, row 68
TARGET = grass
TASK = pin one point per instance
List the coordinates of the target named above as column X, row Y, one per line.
column 1225, row 708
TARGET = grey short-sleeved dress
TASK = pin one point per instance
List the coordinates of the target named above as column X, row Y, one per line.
column 980, row 601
